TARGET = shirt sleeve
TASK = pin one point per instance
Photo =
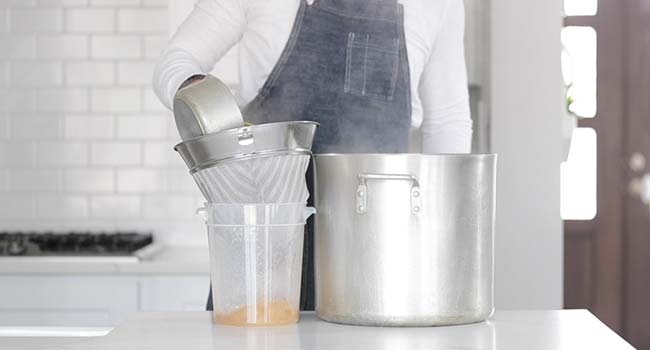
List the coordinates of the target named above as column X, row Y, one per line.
column 208, row 33
column 447, row 123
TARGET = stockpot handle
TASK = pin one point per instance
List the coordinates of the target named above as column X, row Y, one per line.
column 362, row 190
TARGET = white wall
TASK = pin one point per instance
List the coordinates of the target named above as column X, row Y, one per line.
column 526, row 130
column 84, row 143
column 477, row 40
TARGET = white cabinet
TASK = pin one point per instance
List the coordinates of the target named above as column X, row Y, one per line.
column 91, row 300
column 174, row 293
column 66, row 300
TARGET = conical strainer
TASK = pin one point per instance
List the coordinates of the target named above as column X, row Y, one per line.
column 266, row 179
column 255, row 164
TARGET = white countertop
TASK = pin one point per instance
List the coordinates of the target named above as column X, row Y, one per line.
column 41, row 338
column 165, row 260
column 530, row 330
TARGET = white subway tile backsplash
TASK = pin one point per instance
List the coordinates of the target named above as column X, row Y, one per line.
column 17, row 47
column 30, row 73
column 142, row 127
column 142, row 20
column 88, row 127
column 17, row 207
column 119, row 3
column 14, row 154
column 151, row 103
column 169, row 207
column 61, row 153
column 62, row 46
column 62, row 3
column 161, row 154
column 4, row 180
column 4, row 128
column 116, row 46
column 140, row 180
column 62, row 100
column 35, row 180
column 90, row 20
column 172, row 130
column 4, row 23
column 179, row 180
column 116, row 100
column 84, row 141
column 89, row 180
column 24, row 127
column 154, row 45
column 115, row 206
column 36, row 20
column 17, row 3
column 62, row 207
column 115, row 153
column 4, row 75
column 183, row 233
column 17, row 100
column 135, row 73
column 155, row 3
column 89, row 73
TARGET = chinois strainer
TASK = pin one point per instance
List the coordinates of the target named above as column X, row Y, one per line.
column 264, row 179
column 254, row 164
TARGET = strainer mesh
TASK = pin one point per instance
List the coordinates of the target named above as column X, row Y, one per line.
column 262, row 179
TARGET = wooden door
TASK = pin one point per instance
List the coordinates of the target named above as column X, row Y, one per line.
column 636, row 248
column 607, row 259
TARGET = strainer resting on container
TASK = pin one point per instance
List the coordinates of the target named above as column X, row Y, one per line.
column 254, row 164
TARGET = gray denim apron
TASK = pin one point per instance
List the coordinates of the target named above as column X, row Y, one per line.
column 345, row 66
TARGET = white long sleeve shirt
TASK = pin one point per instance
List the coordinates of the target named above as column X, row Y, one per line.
column 434, row 39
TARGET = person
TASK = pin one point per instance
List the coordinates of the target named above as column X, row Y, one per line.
column 369, row 71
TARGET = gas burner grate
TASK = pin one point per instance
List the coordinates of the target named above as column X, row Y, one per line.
column 72, row 243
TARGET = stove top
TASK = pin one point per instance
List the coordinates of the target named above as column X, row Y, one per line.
column 72, row 244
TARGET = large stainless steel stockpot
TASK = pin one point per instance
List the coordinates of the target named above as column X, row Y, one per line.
column 404, row 239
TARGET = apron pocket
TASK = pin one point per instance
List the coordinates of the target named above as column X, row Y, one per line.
column 371, row 66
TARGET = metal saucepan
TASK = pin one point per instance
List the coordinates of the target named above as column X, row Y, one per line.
column 205, row 107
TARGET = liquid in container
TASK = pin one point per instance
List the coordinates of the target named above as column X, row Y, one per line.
column 256, row 262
